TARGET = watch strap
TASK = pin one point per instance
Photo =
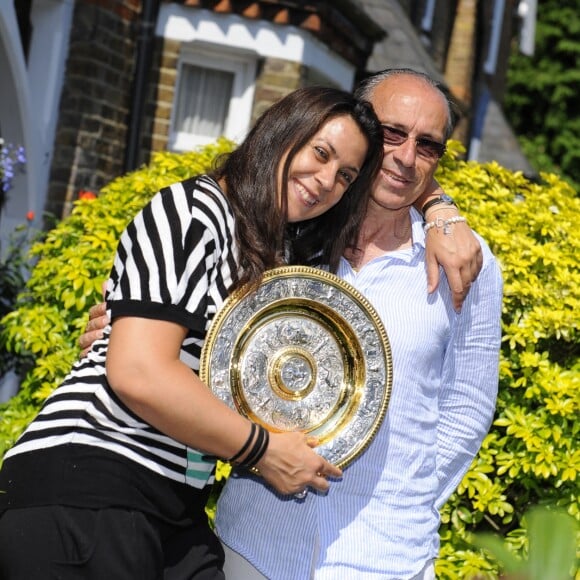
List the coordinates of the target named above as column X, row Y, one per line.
column 436, row 201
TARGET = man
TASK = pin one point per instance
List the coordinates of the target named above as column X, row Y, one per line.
column 381, row 519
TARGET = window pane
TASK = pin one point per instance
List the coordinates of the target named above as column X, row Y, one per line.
column 203, row 100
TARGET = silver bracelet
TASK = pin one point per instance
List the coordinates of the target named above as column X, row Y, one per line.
column 445, row 224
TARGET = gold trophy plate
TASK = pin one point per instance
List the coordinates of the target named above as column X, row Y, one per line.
column 304, row 351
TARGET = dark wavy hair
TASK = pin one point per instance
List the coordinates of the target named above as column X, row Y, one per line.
column 250, row 172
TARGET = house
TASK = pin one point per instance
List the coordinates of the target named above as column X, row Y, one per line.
column 92, row 87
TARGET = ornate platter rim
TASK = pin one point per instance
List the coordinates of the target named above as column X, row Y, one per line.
column 329, row 280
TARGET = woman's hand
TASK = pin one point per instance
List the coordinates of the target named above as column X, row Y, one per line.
column 458, row 251
column 291, row 466
column 455, row 248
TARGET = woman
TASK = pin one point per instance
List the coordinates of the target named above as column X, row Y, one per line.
column 111, row 479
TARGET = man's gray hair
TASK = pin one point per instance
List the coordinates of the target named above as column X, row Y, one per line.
column 366, row 88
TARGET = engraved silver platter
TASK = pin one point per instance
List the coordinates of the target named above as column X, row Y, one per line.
column 303, row 351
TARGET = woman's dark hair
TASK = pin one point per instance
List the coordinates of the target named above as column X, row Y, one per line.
column 251, row 177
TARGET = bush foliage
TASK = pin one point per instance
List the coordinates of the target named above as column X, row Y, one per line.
column 530, row 456
column 73, row 261
column 531, row 453
column 541, row 100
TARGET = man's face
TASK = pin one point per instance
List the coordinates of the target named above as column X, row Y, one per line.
column 407, row 106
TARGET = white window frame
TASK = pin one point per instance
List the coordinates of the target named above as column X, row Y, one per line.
column 243, row 67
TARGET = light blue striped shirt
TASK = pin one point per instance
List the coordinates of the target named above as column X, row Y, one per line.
column 381, row 519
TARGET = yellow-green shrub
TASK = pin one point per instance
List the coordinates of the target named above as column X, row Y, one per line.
column 74, row 260
column 531, row 454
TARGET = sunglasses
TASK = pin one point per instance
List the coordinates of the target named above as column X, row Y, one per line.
column 426, row 148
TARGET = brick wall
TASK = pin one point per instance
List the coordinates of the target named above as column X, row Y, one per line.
column 92, row 126
column 160, row 99
column 276, row 78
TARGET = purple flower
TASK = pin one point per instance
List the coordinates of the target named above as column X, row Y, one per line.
column 12, row 159
column 20, row 156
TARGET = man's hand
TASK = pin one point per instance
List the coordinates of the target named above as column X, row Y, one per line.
column 98, row 319
column 459, row 252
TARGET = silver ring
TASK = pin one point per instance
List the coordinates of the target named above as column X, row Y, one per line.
column 301, row 494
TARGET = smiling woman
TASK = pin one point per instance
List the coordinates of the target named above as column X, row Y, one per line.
column 322, row 171
column 124, row 441
column 308, row 124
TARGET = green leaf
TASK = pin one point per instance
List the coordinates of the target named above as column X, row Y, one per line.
column 509, row 561
column 552, row 536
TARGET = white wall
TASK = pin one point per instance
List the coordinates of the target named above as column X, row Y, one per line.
column 258, row 36
column 16, row 122
column 29, row 100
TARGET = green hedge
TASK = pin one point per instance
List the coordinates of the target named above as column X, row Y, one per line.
column 530, row 456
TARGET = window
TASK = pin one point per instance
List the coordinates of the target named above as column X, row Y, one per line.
column 203, row 101
column 213, row 97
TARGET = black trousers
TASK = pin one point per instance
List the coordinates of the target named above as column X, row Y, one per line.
column 59, row 542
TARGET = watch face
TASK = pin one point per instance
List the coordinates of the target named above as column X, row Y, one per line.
column 446, row 198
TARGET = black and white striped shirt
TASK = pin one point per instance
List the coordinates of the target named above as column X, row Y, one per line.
column 175, row 261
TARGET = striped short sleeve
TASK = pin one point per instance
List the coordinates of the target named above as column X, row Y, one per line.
column 167, row 255
column 176, row 261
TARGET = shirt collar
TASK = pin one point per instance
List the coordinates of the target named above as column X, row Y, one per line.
column 417, row 231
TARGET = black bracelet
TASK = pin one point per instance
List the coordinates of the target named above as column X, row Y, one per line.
column 258, row 448
column 246, row 445
column 248, row 461
column 262, row 449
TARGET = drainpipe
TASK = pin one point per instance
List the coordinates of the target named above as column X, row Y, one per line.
column 490, row 64
column 144, row 49
column 489, row 68
column 427, row 20
column 527, row 12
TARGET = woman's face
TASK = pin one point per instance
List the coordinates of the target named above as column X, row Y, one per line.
column 324, row 168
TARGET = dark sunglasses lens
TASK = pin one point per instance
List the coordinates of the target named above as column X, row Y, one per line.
column 430, row 149
column 425, row 147
column 392, row 136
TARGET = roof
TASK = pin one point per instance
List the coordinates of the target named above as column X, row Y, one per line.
column 343, row 25
column 401, row 46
